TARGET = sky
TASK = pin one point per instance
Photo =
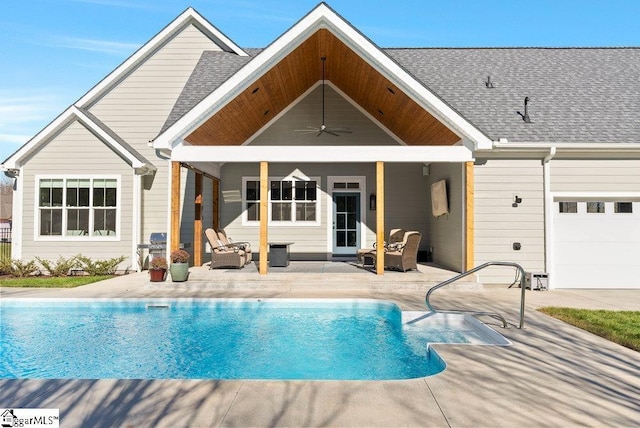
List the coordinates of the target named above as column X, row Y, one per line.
column 53, row 51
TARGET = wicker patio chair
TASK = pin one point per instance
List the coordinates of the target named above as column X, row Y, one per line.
column 405, row 256
column 223, row 256
column 244, row 246
column 395, row 237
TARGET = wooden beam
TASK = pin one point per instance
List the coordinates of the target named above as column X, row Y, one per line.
column 216, row 204
column 175, row 206
column 380, row 217
column 197, row 221
column 264, row 212
column 469, row 217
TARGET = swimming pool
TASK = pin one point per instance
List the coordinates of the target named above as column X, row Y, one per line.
column 339, row 339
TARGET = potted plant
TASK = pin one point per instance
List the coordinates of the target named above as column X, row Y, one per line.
column 179, row 265
column 158, row 269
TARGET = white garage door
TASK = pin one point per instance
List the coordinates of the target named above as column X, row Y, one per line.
column 596, row 244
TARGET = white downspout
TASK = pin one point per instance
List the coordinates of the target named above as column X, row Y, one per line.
column 548, row 215
column 137, row 220
column 17, row 223
column 168, row 206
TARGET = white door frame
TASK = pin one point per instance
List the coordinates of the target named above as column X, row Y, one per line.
column 362, row 190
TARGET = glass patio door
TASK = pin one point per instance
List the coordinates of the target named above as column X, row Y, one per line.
column 346, row 223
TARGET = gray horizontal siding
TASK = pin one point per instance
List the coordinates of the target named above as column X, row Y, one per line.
column 339, row 113
column 498, row 225
column 138, row 106
column 595, row 175
column 446, row 233
column 90, row 156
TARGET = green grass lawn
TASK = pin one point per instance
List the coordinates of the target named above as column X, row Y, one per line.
column 621, row 327
column 51, row 282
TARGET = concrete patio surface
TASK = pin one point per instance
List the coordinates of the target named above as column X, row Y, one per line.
column 552, row 375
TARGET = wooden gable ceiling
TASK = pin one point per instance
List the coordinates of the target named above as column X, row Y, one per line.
column 293, row 75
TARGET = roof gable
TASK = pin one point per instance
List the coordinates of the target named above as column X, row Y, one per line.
column 189, row 17
column 291, row 64
column 106, row 135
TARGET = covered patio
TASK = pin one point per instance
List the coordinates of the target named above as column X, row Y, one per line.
column 255, row 117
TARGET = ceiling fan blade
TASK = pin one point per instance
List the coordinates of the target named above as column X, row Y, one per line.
column 328, row 131
column 320, row 131
column 307, row 131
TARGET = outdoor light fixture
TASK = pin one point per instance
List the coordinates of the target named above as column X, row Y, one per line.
column 372, row 202
column 516, row 200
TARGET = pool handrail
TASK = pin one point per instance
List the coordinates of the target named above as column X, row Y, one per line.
column 476, row 269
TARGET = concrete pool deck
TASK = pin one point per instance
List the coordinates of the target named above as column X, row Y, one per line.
column 553, row 375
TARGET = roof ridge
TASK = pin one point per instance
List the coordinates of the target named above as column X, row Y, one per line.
column 517, row 48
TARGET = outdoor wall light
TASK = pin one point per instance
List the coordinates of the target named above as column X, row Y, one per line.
column 372, row 202
column 516, row 200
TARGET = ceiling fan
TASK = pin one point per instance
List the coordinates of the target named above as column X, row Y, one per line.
column 323, row 128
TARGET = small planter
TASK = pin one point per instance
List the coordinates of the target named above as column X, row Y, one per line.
column 179, row 271
column 179, row 267
column 157, row 275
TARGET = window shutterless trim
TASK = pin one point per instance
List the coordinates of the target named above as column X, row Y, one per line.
column 79, row 238
column 292, row 201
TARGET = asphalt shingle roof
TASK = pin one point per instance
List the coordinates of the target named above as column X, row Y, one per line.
column 576, row 94
column 212, row 70
column 585, row 95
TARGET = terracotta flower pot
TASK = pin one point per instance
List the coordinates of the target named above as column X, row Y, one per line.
column 157, row 275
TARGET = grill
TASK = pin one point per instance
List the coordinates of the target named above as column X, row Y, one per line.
column 157, row 245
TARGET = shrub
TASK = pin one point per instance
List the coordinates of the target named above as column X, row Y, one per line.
column 62, row 267
column 22, row 269
column 158, row 263
column 5, row 266
column 100, row 267
column 179, row 256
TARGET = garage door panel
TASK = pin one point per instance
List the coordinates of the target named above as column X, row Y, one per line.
column 581, row 276
column 604, row 254
column 596, row 250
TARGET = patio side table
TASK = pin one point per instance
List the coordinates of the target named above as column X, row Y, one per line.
column 279, row 254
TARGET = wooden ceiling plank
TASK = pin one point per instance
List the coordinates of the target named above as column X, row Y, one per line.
column 297, row 72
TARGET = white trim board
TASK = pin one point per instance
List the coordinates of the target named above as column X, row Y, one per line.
column 330, row 154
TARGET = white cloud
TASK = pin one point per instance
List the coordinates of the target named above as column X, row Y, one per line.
column 24, row 112
column 22, row 109
column 95, row 45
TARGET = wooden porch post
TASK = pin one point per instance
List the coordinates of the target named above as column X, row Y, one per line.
column 380, row 217
column 469, row 217
column 216, row 204
column 175, row 206
column 264, row 212
column 197, row 222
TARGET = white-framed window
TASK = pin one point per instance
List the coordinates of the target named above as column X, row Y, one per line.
column 79, row 207
column 291, row 201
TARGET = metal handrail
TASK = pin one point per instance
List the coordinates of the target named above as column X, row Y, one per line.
column 476, row 269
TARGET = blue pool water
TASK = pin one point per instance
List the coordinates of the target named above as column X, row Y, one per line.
column 214, row 339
